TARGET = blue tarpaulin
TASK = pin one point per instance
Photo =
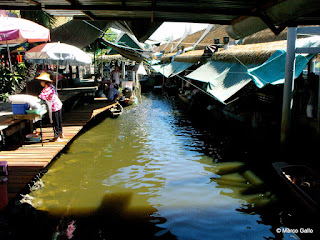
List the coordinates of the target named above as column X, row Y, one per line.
column 172, row 69
column 223, row 79
column 273, row 70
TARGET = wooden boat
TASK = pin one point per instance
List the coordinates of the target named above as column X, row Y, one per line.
column 128, row 101
column 184, row 99
column 116, row 110
column 303, row 182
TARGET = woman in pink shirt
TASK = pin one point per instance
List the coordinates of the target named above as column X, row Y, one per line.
column 50, row 95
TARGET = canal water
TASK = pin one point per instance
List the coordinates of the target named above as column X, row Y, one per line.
column 153, row 173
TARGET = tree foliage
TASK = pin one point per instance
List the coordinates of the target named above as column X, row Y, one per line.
column 41, row 17
column 110, row 35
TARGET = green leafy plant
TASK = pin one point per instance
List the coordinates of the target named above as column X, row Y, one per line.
column 4, row 96
column 10, row 81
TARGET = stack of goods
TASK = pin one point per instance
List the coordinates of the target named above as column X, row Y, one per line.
column 22, row 104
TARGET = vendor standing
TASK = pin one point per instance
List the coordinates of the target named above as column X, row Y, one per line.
column 115, row 75
column 50, row 95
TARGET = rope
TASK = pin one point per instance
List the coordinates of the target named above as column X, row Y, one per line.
column 197, row 87
column 94, row 27
column 248, row 68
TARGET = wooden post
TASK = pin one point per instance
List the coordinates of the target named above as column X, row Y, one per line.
column 288, row 85
column 123, row 69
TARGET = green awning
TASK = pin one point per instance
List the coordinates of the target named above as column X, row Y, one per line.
column 127, row 41
column 223, row 79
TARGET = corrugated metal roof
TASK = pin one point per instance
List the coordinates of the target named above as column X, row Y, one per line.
column 207, row 11
column 213, row 11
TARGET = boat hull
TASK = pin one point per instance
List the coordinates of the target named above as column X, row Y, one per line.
column 302, row 181
column 116, row 111
column 184, row 99
column 128, row 101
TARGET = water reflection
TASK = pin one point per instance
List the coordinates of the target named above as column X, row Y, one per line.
column 150, row 163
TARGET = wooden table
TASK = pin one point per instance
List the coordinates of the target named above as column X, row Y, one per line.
column 34, row 117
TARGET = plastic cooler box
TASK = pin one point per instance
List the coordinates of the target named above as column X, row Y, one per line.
column 19, row 108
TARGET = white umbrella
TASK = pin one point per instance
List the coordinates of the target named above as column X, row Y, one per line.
column 59, row 54
column 50, row 53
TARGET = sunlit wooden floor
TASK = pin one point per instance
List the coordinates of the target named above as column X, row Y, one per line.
column 27, row 160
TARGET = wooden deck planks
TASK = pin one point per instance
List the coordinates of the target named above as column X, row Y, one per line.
column 26, row 161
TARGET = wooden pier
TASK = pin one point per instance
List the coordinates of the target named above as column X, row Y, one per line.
column 27, row 160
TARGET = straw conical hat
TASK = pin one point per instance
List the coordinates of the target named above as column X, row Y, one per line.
column 44, row 77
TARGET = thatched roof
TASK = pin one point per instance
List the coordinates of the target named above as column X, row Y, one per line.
column 218, row 32
column 191, row 39
column 256, row 48
column 265, row 36
column 191, row 56
column 167, row 57
column 268, row 36
column 250, row 53
column 166, row 47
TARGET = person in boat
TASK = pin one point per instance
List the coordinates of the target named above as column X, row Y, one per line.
column 102, row 90
column 100, row 93
column 114, row 93
column 50, row 95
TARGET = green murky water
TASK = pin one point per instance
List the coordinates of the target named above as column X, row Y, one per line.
column 145, row 175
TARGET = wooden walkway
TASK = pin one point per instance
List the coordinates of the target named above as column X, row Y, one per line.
column 26, row 161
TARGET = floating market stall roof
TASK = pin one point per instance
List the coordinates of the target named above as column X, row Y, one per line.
column 167, row 57
column 273, row 70
column 217, row 32
column 172, row 69
column 134, row 54
column 267, row 35
column 223, row 79
column 230, row 70
column 256, row 53
column 191, row 56
column 264, row 36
